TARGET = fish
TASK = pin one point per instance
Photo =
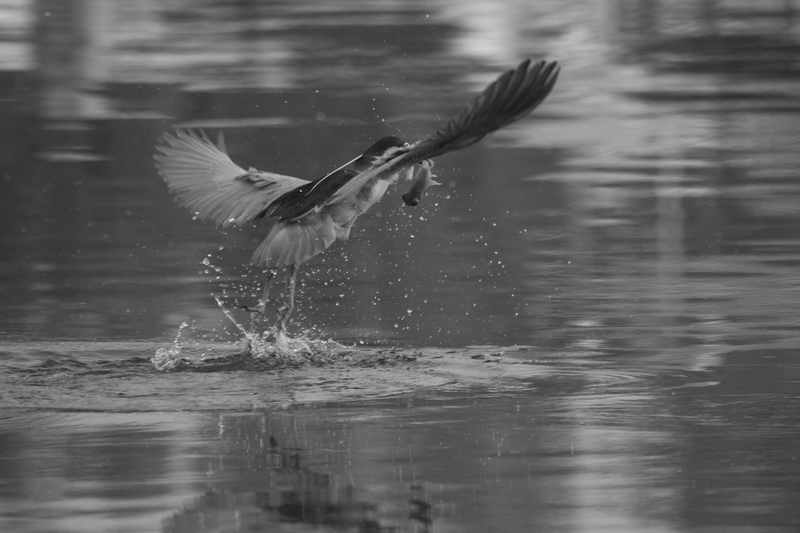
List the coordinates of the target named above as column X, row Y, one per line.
column 421, row 183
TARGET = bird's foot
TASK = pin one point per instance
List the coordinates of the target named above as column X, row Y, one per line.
column 260, row 307
column 257, row 318
column 284, row 312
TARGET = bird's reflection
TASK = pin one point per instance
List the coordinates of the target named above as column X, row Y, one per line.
column 260, row 484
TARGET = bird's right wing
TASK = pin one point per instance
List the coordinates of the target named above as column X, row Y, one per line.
column 206, row 181
column 510, row 97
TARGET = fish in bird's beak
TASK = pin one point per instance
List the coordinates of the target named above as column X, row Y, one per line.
column 421, row 183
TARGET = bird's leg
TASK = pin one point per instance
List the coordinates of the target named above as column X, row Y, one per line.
column 260, row 309
column 262, row 303
column 286, row 311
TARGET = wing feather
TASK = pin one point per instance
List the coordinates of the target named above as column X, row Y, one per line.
column 509, row 98
column 206, row 181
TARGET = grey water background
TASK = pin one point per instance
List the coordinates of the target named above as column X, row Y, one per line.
column 640, row 234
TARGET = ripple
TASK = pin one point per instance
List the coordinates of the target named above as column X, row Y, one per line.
column 221, row 376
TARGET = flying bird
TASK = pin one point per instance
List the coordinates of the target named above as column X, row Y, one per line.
column 312, row 215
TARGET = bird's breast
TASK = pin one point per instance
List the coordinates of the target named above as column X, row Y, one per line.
column 345, row 212
column 371, row 193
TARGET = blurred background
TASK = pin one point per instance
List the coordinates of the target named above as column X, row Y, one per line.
column 650, row 203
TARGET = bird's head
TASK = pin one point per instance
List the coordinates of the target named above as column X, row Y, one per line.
column 380, row 152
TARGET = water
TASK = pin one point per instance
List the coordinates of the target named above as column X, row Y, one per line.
column 591, row 325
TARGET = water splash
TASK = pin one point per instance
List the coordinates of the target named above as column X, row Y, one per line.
column 252, row 346
column 276, row 343
column 269, row 350
column 169, row 359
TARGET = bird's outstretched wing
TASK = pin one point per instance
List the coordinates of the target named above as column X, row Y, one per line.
column 206, row 181
column 509, row 98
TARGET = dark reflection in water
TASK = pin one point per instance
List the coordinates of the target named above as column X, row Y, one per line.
column 259, row 482
column 641, row 231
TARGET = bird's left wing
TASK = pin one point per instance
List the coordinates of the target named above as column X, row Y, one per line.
column 510, row 97
column 206, row 181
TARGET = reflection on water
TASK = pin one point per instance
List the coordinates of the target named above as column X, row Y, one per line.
column 258, row 482
column 644, row 220
column 571, row 454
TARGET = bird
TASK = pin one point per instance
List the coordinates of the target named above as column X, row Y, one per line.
column 309, row 216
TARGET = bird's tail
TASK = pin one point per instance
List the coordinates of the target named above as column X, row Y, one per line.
column 294, row 243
